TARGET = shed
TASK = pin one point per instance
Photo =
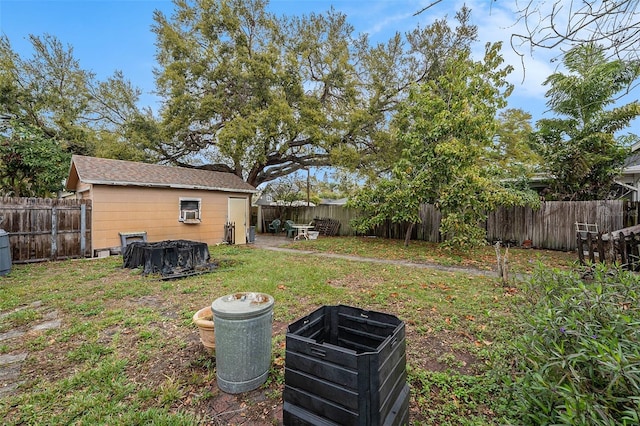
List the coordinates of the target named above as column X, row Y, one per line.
column 161, row 202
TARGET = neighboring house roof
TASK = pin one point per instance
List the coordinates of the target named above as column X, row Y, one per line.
column 631, row 170
column 295, row 203
column 333, row 202
column 280, row 203
column 633, row 159
column 103, row 171
column 264, row 200
column 267, row 200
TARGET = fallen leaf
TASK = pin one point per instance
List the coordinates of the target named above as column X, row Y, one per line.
column 455, row 400
column 282, row 287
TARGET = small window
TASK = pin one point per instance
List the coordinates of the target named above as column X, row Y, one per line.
column 190, row 210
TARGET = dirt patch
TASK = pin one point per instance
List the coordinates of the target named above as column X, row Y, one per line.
column 355, row 282
column 436, row 352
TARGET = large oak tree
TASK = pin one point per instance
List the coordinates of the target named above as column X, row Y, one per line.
column 264, row 96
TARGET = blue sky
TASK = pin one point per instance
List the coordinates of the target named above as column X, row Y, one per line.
column 110, row 35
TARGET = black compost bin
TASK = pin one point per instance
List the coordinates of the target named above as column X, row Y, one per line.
column 347, row 366
column 170, row 258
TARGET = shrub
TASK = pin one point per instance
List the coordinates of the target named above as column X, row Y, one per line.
column 578, row 358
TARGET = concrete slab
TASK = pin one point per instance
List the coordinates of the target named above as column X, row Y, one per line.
column 10, row 359
column 12, row 334
column 48, row 325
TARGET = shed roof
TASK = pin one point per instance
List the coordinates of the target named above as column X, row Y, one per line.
column 103, row 171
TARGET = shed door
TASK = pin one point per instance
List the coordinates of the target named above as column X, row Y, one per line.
column 238, row 215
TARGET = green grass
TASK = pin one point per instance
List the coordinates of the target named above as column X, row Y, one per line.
column 484, row 258
column 127, row 352
column 18, row 318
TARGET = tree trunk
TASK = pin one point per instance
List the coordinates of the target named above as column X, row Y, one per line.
column 505, row 266
column 503, row 263
column 498, row 258
column 407, row 236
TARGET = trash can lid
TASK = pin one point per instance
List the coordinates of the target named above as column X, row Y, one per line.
column 242, row 305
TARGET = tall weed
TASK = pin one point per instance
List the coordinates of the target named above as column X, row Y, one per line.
column 578, row 360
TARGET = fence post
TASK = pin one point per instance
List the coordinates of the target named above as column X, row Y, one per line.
column 622, row 247
column 83, row 229
column 54, row 232
column 230, row 230
column 601, row 252
column 580, row 244
column 632, row 252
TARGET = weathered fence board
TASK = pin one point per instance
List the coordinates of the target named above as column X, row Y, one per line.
column 43, row 229
column 552, row 226
column 621, row 247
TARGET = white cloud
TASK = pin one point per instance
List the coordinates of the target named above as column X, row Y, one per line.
column 497, row 21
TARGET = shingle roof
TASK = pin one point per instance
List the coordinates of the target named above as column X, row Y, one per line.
column 105, row 171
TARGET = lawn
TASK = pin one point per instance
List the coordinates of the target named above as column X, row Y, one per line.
column 127, row 352
column 483, row 258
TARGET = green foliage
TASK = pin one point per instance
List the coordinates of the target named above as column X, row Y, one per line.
column 264, row 96
column 445, row 130
column 52, row 93
column 451, row 398
column 31, row 163
column 233, row 86
column 580, row 151
column 578, row 358
column 511, row 151
column 89, row 352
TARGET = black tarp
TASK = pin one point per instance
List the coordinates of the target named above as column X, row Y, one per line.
column 170, row 258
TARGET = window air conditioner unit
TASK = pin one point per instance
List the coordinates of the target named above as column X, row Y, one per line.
column 190, row 214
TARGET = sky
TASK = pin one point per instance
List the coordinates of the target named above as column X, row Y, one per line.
column 115, row 35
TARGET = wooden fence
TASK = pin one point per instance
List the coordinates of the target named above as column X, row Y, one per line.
column 307, row 214
column 621, row 247
column 552, row 226
column 42, row 229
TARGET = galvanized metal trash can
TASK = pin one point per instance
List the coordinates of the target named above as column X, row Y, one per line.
column 5, row 253
column 243, row 323
column 251, row 234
